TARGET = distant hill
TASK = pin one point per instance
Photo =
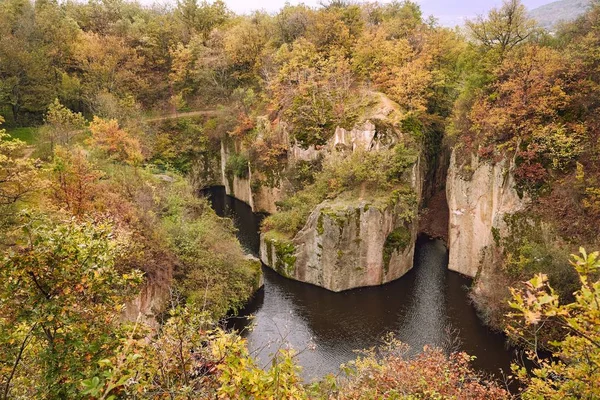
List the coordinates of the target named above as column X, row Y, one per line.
column 549, row 15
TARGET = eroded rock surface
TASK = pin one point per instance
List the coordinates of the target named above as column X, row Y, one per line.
column 480, row 195
column 345, row 245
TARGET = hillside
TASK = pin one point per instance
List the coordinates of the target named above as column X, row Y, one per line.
column 549, row 15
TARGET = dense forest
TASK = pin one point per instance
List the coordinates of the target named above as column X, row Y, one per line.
column 115, row 275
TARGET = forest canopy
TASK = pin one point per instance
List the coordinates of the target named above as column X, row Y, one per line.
column 115, row 114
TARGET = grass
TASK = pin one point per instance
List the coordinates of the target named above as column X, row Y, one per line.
column 26, row 134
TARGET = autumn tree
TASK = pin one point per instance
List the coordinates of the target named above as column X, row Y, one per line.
column 107, row 63
column 574, row 372
column 292, row 22
column 200, row 17
column 61, row 295
column 74, row 181
column 108, row 137
column 244, row 44
column 523, row 113
column 313, row 90
column 504, row 28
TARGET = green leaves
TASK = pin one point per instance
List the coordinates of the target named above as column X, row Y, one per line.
column 63, row 280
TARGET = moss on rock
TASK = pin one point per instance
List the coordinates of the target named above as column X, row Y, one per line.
column 397, row 240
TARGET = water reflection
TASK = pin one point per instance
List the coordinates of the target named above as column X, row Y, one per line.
column 425, row 307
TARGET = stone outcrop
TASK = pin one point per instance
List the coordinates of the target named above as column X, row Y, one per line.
column 347, row 242
column 261, row 199
column 480, row 195
column 149, row 303
column 350, row 243
column 345, row 246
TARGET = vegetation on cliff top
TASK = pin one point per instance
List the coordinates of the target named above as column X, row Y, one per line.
column 93, row 209
column 360, row 174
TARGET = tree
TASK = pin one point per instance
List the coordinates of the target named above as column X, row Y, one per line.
column 115, row 142
column 244, row 44
column 62, row 124
column 107, row 63
column 200, row 18
column 61, row 296
column 18, row 176
column 313, row 90
column 574, row 371
column 292, row 22
column 74, row 184
column 504, row 28
column 526, row 111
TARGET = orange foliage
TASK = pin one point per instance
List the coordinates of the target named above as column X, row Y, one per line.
column 431, row 374
column 108, row 137
column 530, row 91
column 75, row 182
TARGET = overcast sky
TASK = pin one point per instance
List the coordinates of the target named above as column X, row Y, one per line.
column 447, row 12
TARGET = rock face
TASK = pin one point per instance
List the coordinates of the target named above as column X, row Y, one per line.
column 345, row 246
column 479, row 196
column 350, row 243
column 261, row 199
column 147, row 305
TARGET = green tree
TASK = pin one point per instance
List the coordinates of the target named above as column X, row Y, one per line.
column 62, row 124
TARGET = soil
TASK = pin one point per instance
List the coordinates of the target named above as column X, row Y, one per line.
column 433, row 220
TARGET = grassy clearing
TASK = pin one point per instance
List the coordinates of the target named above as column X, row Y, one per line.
column 27, row 134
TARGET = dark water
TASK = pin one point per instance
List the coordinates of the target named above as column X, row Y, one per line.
column 427, row 306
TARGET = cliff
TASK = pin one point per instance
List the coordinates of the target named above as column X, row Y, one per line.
column 480, row 194
column 346, row 245
column 260, row 199
column 351, row 241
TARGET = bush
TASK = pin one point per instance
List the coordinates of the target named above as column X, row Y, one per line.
column 430, row 375
column 361, row 173
column 573, row 371
column 236, row 165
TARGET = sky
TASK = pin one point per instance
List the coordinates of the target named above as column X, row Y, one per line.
column 448, row 13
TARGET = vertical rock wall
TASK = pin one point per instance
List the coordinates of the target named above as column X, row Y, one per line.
column 350, row 243
column 261, row 199
column 479, row 195
column 342, row 248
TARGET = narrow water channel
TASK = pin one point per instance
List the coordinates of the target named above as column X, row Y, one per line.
column 427, row 306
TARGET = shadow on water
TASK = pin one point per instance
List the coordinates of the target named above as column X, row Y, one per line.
column 427, row 306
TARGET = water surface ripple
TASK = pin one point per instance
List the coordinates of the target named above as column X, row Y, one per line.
column 427, row 306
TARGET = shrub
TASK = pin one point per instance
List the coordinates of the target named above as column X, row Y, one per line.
column 573, row 372
column 236, row 165
column 397, row 240
column 368, row 173
column 431, row 375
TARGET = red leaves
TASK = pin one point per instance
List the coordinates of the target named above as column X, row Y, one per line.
column 431, row 374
